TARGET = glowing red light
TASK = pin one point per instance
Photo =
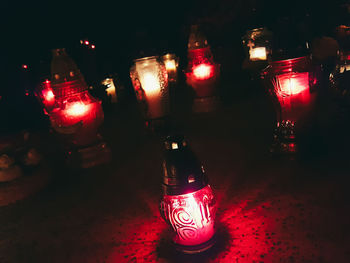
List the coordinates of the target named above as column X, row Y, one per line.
column 191, row 216
column 24, row 66
column 293, row 84
column 93, row 46
column 203, row 71
column 87, row 42
column 76, row 109
column 48, row 95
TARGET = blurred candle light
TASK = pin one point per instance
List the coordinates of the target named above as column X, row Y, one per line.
column 258, row 53
column 202, row 72
column 45, row 95
column 257, row 43
column 75, row 113
column 171, row 63
column 340, row 77
column 111, row 89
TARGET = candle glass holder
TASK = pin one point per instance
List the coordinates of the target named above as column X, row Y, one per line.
column 45, row 95
column 202, row 73
column 150, row 81
column 188, row 203
column 292, row 85
column 76, row 115
column 257, row 44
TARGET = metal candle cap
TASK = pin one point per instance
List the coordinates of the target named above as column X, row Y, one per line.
column 182, row 172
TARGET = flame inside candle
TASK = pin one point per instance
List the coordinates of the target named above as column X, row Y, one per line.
column 203, row 71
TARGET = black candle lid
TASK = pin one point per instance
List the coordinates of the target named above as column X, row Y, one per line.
column 182, row 172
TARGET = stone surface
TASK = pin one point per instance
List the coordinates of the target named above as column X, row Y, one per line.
column 269, row 210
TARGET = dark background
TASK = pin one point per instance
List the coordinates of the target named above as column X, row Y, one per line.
column 123, row 30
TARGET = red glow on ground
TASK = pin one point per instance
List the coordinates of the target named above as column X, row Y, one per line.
column 93, row 46
column 24, row 66
column 87, row 42
column 191, row 216
column 203, row 71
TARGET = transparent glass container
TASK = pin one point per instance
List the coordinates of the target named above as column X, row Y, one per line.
column 292, row 85
column 150, row 81
column 192, row 218
column 171, row 62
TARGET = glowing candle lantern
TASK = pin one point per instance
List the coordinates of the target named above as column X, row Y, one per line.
column 258, row 53
column 171, row 63
column 202, row 72
column 257, row 43
column 46, row 96
column 292, row 85
column 150, row 81
column 111, row 90
column 76, row 114
column 188, row 203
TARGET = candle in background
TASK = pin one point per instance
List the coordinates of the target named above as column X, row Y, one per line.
column 258, row 53
column 45, row 95
column 257, row 43
column 171, row 63
column 291, row 83
column 111, row 90
column 76, row 115
column 202, row 73
column 340, row 77
column 150, row 81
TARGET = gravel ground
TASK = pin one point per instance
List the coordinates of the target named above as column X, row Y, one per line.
column 269, row 209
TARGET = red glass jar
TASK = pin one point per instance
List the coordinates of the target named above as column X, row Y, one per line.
column 202, row 73
column 292, row 85
column 188, row 203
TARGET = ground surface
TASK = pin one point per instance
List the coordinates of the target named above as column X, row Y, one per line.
column 269, row 209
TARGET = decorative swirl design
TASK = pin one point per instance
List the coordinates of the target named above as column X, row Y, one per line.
column 181, row 217
column 183, row 223
column 187, row 233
